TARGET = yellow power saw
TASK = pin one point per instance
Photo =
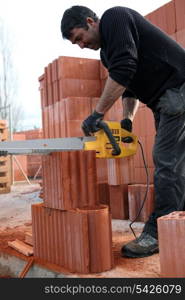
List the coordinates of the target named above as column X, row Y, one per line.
column 111, row 141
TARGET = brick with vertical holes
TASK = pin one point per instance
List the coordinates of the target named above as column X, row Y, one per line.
column 171, row 236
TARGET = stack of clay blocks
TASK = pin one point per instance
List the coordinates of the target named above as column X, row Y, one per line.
column 71, row 228
column 70, row 89
column 171, row 19
column 5, row 167
column 171, row 229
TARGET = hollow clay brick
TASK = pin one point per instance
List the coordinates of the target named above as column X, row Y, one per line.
column 164, row 17
column 73, row 129
column 60, row 237
column 56, row 95
column 50, row 93
column 51, row 121
column 56, row 121
column 171, row 230
column 78, row 68
column 101, row 170
column 77, row 108
column 136, row 194
column 139, row 175
column 180, row 36
column 79, row 88
column 70, row 179
column 119, row 201
column 143, row 116
column 118, row 171
column 45, row 124
column 62, row 118
column 180, row 13
column 100, row 238
column 54, row 70
column 78, row 240
column 103, row 192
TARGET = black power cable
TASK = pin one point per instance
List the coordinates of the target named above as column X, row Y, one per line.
column 146, row 192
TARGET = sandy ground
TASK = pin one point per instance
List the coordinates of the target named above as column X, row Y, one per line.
column 15, row 206
column 15, row 220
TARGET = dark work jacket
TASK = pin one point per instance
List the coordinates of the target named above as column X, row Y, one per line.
column 140, row 56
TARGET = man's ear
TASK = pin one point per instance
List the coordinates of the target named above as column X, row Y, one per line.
column 90, row 21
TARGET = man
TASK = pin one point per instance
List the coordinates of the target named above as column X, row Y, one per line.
column 146, row 65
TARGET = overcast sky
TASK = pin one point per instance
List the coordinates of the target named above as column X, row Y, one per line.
column 35, row 27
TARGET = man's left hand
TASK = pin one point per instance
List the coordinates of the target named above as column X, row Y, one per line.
column 90, row 124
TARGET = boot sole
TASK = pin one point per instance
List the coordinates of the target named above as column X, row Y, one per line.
column 134, row 255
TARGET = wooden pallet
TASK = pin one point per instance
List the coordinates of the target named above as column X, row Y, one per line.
column 5, row 165
column 5, row 188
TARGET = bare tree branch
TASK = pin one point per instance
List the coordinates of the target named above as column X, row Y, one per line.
column 8, row 78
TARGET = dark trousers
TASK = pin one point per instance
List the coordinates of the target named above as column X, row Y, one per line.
column 169, row 161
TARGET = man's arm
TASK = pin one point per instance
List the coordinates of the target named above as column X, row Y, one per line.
column 111, row 93
column 130, row 106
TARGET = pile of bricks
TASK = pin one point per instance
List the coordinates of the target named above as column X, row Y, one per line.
column 64, row 109
column 71, row 228
column 5, row 167
column 170, row 18
column 78, row 235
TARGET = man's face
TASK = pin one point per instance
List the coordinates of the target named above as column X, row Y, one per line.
column 89, row 38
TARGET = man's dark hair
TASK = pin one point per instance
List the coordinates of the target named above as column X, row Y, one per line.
column 75, row 17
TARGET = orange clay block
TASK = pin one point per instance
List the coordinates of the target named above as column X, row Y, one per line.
column 136, row 194
column 78, row 240
column 70, row 179
column 171, row 229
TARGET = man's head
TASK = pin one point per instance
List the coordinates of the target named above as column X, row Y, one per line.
column 80, row 25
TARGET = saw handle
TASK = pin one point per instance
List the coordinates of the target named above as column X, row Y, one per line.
column 106, row 129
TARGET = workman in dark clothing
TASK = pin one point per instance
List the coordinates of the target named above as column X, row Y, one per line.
column 146, row 65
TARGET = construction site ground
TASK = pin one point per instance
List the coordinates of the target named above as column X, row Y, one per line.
column 15, row 221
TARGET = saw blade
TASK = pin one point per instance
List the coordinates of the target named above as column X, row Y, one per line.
column 44, row 146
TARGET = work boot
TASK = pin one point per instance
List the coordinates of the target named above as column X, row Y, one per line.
column 144, row 245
